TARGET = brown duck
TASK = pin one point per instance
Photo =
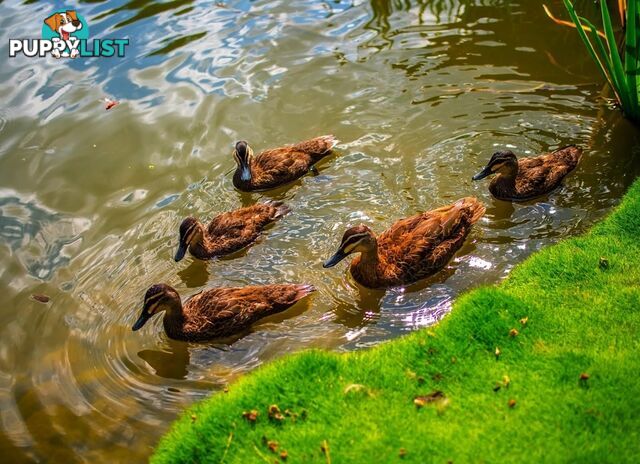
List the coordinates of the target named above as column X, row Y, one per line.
column 227, row 232
column 278, row 166
column 217, row 312
column 526, row 178
column 412, row 249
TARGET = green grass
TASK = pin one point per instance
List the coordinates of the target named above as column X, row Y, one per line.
column 583, row 317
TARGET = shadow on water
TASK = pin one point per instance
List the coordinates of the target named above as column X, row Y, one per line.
column 172, row 363
column 196, row 274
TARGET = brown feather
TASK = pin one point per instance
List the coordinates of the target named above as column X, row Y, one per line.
column 278, row 166
column 536, row 176
column 418, row 246
column 221, row 312
column 234, row 230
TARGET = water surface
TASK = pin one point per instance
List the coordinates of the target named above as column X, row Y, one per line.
column 420, row 93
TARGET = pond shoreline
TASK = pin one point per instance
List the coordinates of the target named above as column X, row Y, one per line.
column 539, row 367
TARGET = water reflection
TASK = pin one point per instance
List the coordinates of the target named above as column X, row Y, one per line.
column 196, row 274
column 420, row 93
column 172, row 363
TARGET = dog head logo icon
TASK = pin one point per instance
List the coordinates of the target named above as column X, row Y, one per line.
column 68, row 27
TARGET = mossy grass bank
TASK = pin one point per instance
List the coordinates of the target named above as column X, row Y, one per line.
column 541, row 368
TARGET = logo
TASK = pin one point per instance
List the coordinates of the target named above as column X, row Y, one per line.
column 65, row 34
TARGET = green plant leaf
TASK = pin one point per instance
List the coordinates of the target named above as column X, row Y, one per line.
column 585, row 39
column 618, row 71
column 632, row 55
column 603, row 56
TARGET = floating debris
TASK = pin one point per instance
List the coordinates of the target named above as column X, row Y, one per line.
column 513, row 333
column 284, row 455
column 506, row 381
column 498, row 352
column 524, row 321
column 272, row 445
column 40, row 298
column 108, row 103
column 512, row 403
column 584, row 376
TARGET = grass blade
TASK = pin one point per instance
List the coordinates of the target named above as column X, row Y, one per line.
column 632, row 55
column 622, row 8
column 562, row 22
column 607, row 66
column 587, row 43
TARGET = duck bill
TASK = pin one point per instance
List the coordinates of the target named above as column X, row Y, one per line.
column 335, row 259
column 142, row 320
column 182, row 250
column 482, row 174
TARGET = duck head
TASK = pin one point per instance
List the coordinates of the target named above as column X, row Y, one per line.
column 159, row 297
column 358, row 239
column 191, row 232
column 243, row 155
column 502, row 162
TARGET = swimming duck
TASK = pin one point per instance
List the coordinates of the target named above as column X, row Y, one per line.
column 217, row 312
column 526, row 178
column 227, row 232
column 412, row 249
column 278, row 166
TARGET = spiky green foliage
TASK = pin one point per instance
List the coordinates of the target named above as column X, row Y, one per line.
column 621, row 72
column 562, row 387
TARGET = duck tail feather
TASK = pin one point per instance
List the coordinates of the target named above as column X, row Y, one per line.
column 319, row 145
column 476, row 207
column 281, row 209
column 304, row 290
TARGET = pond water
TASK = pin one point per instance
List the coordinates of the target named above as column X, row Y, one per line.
column 420, row 94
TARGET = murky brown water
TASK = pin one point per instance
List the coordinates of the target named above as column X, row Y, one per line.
column 420, row 93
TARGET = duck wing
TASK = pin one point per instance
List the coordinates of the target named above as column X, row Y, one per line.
column 543, row 173
column 317, row 147
column 425, row 242
column 224, row 311
column 286, row 164
column 236, row 229
column 280, row 165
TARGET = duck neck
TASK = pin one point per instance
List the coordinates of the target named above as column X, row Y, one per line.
column 368, row 267
column 506, row 179
column 173, row 320
column 370, row 259
column 202, row 248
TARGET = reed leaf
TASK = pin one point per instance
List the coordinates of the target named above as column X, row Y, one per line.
column 632, row 53
column 621, row 71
